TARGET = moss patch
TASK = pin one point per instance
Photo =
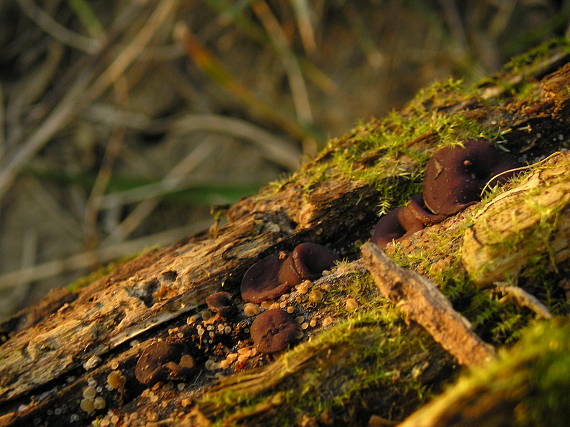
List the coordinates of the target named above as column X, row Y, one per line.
column 331, row 371
column 528, row 385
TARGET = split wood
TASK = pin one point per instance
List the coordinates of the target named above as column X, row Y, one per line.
column 423, row 303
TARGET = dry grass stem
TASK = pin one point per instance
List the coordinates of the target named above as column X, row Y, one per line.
column 57, row 31
column 171, row 181
column 101, row 255
column 276, row 149
column 279, row 40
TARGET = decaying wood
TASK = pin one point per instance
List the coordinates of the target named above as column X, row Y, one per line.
column 510, row 391
column 75, row 342
column 166, row 284
column 509, row 220
column 423, row 303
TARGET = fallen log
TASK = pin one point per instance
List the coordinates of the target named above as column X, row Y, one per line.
column 72, row 360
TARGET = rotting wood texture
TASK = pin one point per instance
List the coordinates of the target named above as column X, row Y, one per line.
column 49, row 360
column 116, row 310
column 505, row 223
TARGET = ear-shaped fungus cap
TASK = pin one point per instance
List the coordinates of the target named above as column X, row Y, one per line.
column 455, row 175
column 416, row 216
column 220, row 302
column 274, row 275
column 388, row 228
column 404, row 221
column 158, row 362
column 272, row 331
column 307, row 261
column 260, row 282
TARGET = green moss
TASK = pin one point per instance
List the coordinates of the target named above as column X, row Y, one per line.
column 390, row 148
column 534, row 56
column 332, row 371
column 511, row 78
column 359, row 286
column 548, row 403
column 369, row 349
column 439, row 95
column 545, row 283
column 390, row 154
column 529, row 385
column 531, row 233
column 497, row 321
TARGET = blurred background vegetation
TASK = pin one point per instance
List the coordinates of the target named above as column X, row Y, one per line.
column 123, row 122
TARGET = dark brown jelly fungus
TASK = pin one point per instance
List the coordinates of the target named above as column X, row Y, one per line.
column 307, row 261
column 417, row 216
column 163, row 361
column 260, row 282
column 274, row 275
column 273, row 331
column 456, row 175
column 220, row 302
column 388, row 228
column 404, row 221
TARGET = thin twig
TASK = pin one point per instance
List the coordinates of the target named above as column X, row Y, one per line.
column 425, row 304
column 501, row 18
column 279, row 40
column 104, row 174
column 51, row 210
column 32, row 87
column 176, row 175
column 274, row 148
column 88, row 18
column 214, row 69
column 136, row 46
column 277, row 149
column 303, row 14
column 150, row 191
column 2, row 124
column 112, row 115
column 520, row 168
column 105, row 171
column 56, row 30
column 18, row 295
column 61, row 115
column 524, row 299
column 454, row 21
column 80, row 93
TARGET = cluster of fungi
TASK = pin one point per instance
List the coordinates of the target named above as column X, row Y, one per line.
column 453, row 180
column 271, row 331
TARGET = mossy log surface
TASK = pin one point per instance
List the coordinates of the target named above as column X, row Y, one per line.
column 357, row 357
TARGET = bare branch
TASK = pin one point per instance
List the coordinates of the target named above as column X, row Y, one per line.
column 423, row 303
column 524, row 299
